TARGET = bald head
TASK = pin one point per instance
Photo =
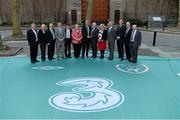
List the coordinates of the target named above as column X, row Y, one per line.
column 120, row 22
column 94, row 25
column 110, row 24
column 50, row 25
column 128, row 24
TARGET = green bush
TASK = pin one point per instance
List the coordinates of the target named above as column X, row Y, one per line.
column 136, row 21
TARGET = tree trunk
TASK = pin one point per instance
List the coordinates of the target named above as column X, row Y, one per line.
column 89, row 10
column 15, row 19
column 1, row 45
column 179, row 16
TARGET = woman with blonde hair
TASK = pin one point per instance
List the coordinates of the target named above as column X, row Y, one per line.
column 77, row 40
column 102, row 37
column 43, row 39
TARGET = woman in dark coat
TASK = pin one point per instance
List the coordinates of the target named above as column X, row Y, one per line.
column 43, row 38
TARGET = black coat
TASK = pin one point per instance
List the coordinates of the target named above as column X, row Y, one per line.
column 50, row 36
column 85, row 31
column 31, row 37
column 94, row 34
column 121, row 31
column 137, row 39
column 128, row 36
column 42, row 37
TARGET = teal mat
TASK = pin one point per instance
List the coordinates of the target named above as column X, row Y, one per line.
column 90, row 89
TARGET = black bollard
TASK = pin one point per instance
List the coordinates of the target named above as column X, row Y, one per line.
column 154, row 39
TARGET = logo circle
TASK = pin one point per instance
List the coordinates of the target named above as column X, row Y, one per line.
column 87, row 95
column 132, row 68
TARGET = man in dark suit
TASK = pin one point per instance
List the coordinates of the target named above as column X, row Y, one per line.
column 94, row 39
column 67, row 42
column 127, row 40
column 51, row 41
column 111, row 37
column 135, row 43
column 121, row 30
column 86, row 31
column 32, row 38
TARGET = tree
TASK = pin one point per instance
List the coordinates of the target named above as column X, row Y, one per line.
column 179, row 16
column 15, row 19
column 1, row 44
column 89, row 10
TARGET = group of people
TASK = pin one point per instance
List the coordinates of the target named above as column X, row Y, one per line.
column 82, row 38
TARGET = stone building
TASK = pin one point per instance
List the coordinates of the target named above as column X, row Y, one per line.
column 74, row 11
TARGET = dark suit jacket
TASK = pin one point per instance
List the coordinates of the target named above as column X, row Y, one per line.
column 85, row 32
column 50, row 36
column 42, row 37
column 31, row 37
column 70, row 33
column 128, row 36
column 121, row 31
column 94, row 34
column 137, row 39
column 111, row 35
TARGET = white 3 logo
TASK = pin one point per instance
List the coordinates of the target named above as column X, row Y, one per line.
column 88, row 95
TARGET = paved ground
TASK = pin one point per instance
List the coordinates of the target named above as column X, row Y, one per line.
column 90, row 89
column 93, row 89
column 167, row 45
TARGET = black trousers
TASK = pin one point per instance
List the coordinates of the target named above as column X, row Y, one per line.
column 67, row 45
column 102, row 53
column 33, row 52
column 127, row 49
column 134, row 52
column 85, row 47
column 120, row 47
column 77, row 50
column 94, row 47
column 43, row 51
column 51, row 49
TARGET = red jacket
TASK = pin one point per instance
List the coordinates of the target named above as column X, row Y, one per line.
column 76, row 36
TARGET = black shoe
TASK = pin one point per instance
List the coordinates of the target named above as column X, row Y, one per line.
column 37, row 61
column 33, row 62
column 121, row 59
column 110, row 58
column 101, row 57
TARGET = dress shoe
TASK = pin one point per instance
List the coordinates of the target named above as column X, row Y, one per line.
column 110, row 58
column 37, row 61
column 33, row 62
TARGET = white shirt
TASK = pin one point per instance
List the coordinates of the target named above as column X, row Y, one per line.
column 34, row 31
column 109, row 29
column 127, row 30
column 133, row 35
column 68, row 33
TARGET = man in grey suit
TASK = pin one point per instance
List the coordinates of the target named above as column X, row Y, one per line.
column 60, row 36
column 135, row 43
column 111, row 37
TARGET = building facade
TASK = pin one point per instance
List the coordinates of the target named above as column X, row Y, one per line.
column 74, row 11
column 105, row 10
